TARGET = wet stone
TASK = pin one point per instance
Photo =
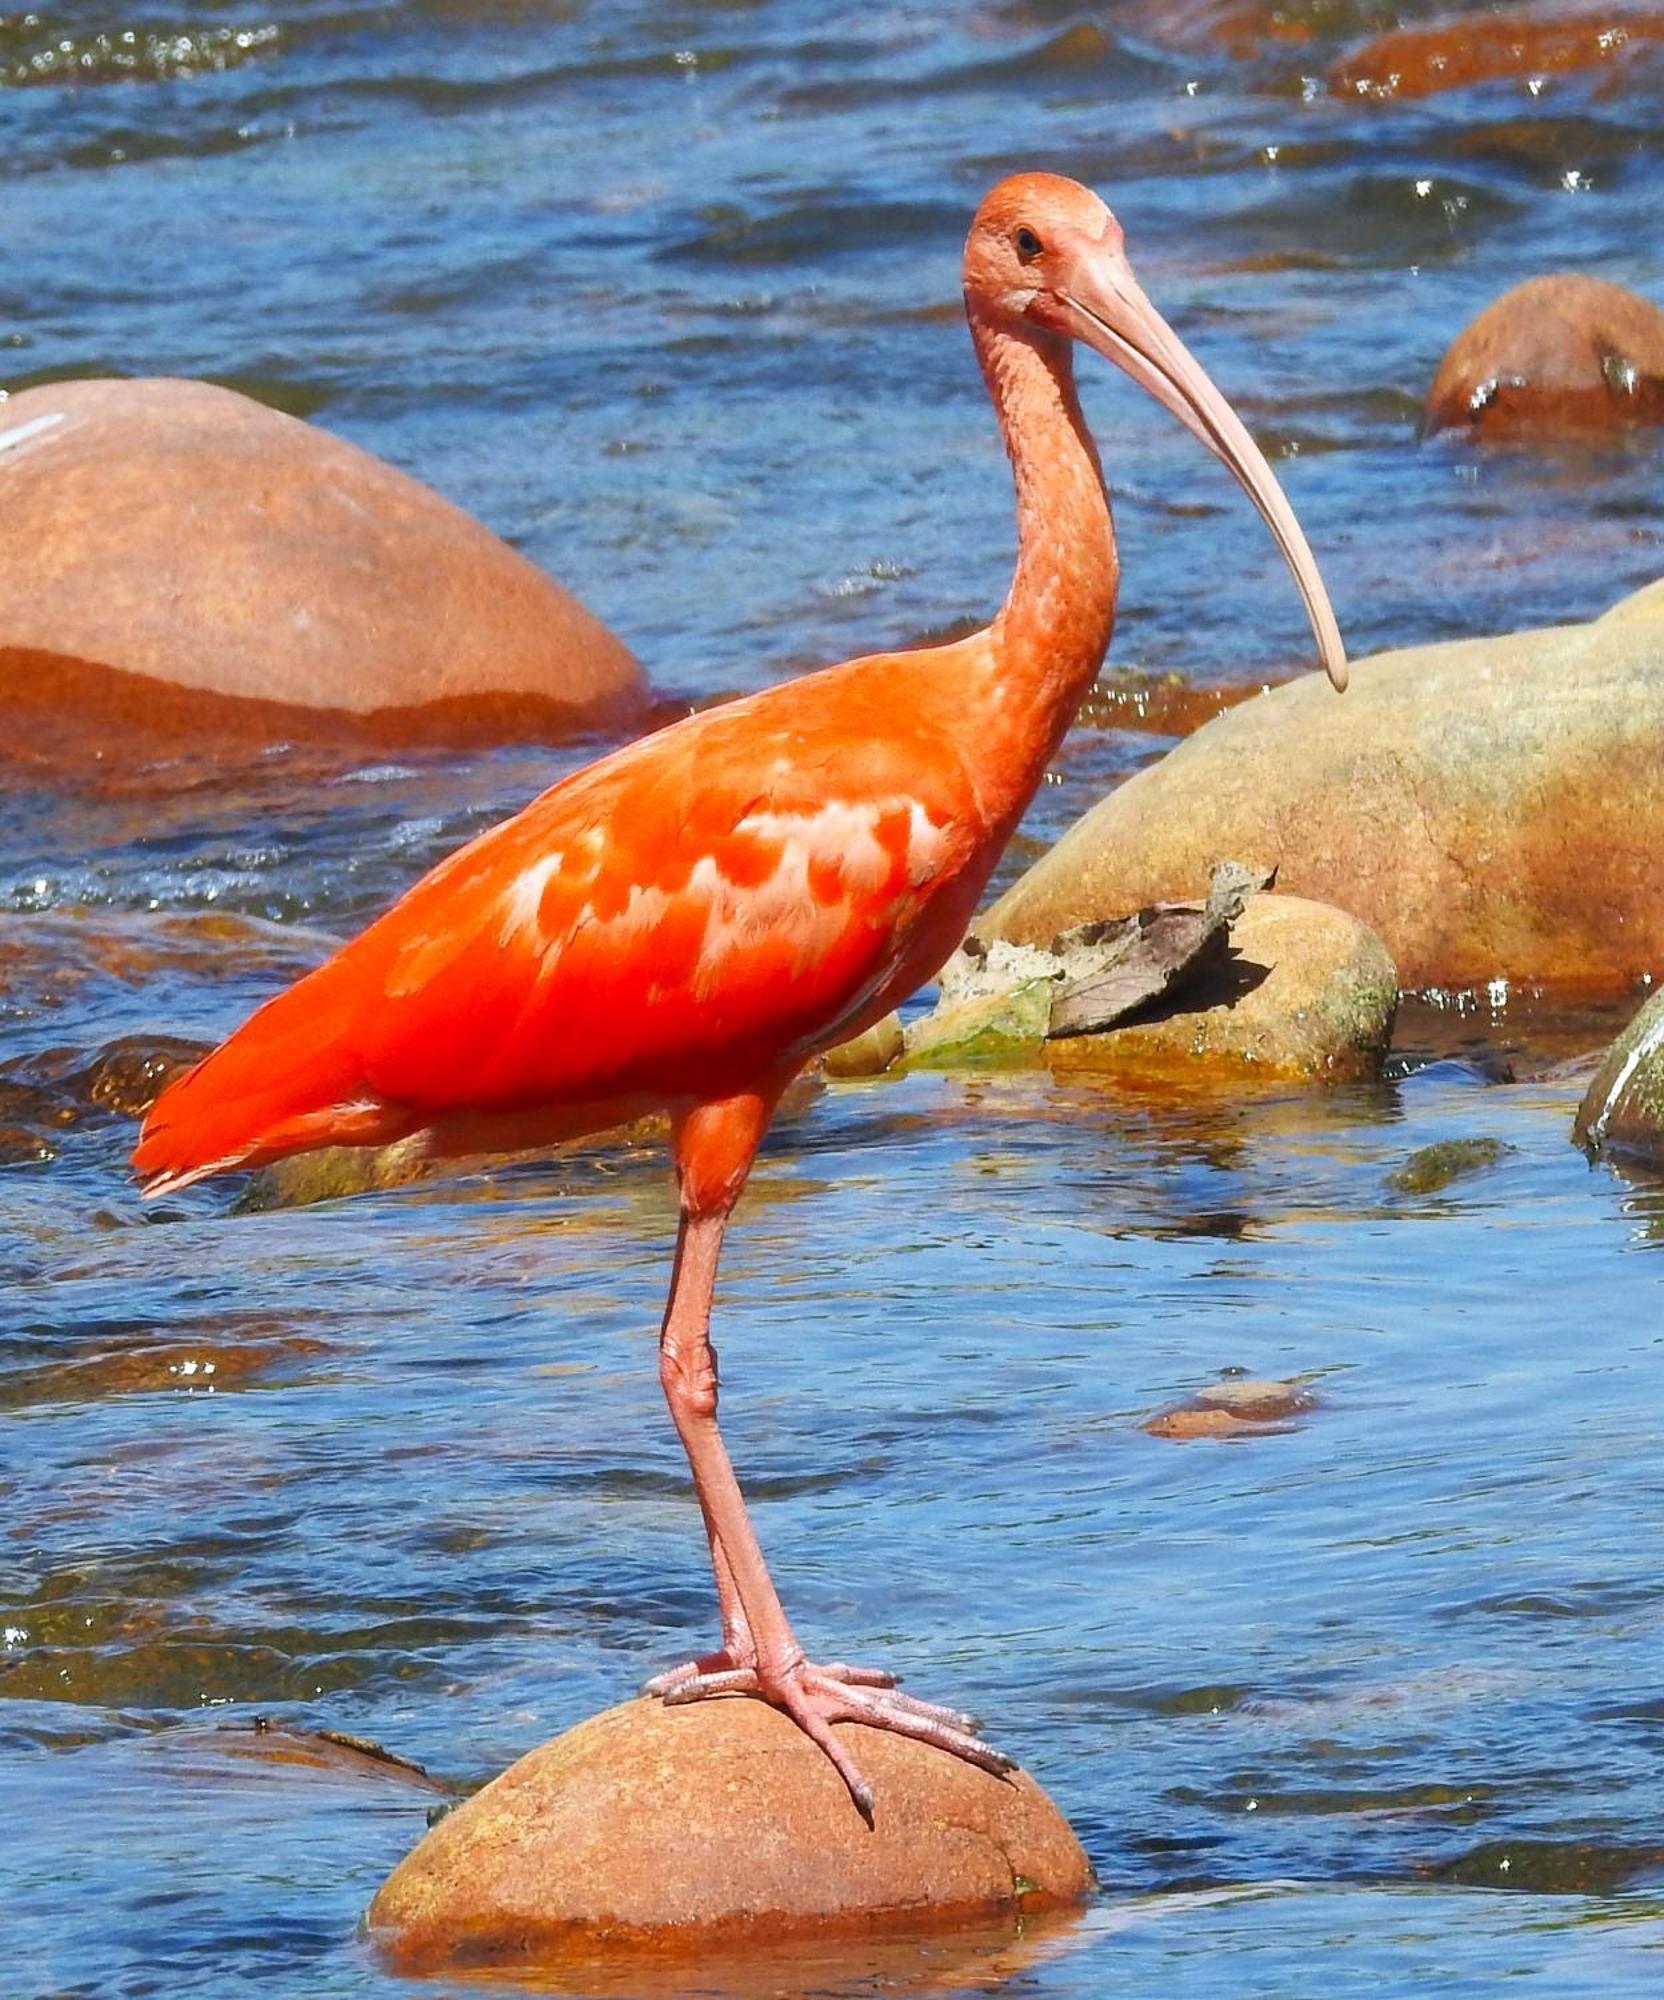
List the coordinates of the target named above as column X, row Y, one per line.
column 328, row 1173
column 1434, row 1168
column 652, row 1830
column 1623, row 1109
column 335, row 1752
column 1476, row 47
column 19, row 1146
column 1301, row 992
column 868, row 1054
column 128, row 1075
column 198, row 1367
column 1235, row 1408
column 55, row 1088
column 257, row 576
column 1565, row 354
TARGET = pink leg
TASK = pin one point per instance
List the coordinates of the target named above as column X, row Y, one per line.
column 761, row 1654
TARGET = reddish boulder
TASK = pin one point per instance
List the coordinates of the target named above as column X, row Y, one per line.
column 177, row 557
column 718, row 1827
column 1561, row 354
column 1477, row 46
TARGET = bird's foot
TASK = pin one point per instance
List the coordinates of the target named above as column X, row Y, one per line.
column 816, row 1696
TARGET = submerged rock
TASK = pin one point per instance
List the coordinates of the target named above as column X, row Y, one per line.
column 1237, row 1408
column 1561, row 354
column 328, row 1173
column 1432, row 1169
column 55, row 1088
column 1623, row 1108
column 178, row 558
column 21, row 1145
column 658, row 1830
column 1475, row 46
column 1491, row 807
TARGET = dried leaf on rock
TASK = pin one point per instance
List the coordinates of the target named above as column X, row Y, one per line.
column 1144, row 957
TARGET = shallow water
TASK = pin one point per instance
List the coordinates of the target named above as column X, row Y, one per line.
column 667, row 296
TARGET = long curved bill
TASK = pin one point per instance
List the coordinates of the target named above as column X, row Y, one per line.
column 1112, row 315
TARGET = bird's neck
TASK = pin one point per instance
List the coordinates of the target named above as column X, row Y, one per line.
column 1048, row 641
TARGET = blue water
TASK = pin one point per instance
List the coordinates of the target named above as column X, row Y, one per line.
column 667, row 295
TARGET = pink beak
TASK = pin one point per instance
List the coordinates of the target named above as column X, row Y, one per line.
column 1107, row 310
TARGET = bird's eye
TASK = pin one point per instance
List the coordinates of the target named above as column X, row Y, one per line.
column 1028, row 244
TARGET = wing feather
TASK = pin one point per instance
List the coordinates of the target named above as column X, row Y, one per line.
column 693, row 910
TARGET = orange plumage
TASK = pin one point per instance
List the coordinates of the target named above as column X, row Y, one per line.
column 691, row 913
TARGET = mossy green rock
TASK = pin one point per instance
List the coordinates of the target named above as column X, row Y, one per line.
column 983, row 1032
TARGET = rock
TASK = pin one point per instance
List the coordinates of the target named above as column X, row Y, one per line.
column 1234, row 1409
column 130, row 1073
column 1432, row 1169
column 1491, row 807
column 1309, row 993
column 181, row 559
column 868, row 1054
column 59, row 1087
column 328, row 1173
column 22, row 1146
column 1623, row 1108
column 332, row 1751
column 50, row 957
column 997, row 1013
column 205, row 1364
column 1474, row 46
column 1305, row 992
column 998, row 999
column 651, row 1830
column 1561, row 354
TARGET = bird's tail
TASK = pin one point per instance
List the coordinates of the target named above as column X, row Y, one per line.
column 287, row 1080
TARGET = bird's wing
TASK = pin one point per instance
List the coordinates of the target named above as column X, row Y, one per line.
column 720, row 897
column 691, row 911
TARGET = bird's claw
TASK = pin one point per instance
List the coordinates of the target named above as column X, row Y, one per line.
column 815, row 1697
column 665, row 1685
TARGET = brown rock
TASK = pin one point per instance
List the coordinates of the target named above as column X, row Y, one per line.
column 181, row 559
column 1492, row 808
column 1476, row 46
column 652, row 1830
column 1239, row 1408
column 1561, row 354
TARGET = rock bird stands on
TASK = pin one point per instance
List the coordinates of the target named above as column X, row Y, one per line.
column 688, row 922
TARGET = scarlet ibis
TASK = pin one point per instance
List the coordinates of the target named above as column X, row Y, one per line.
column 686, row 923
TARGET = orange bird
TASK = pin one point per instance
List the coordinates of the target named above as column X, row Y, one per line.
column 687, row 923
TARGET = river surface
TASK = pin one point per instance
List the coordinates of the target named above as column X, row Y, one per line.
column 1372, row 1703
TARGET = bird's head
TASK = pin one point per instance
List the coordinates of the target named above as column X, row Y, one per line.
column 1046, row 257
